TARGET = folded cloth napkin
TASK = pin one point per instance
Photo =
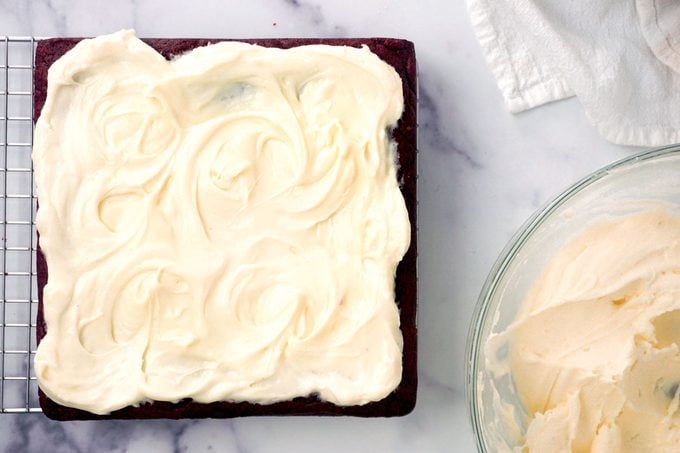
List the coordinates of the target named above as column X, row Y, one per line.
column 621, row 58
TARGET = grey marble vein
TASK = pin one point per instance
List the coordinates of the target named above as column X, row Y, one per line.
column 432, row 130
column 313, row 14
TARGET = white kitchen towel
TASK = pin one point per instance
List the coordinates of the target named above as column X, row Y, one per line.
column 621, row 58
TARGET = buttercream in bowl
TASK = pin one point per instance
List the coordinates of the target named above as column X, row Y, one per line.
column 576, row 339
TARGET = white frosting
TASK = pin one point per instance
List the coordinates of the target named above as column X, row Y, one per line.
column 595, row 349
column 225, row 226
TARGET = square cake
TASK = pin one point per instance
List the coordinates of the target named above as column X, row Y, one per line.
column 226, row 228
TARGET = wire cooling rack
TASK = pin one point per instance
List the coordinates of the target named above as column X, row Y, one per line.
column 18, row 385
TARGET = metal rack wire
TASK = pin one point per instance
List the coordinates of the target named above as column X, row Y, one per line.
column 18, row 385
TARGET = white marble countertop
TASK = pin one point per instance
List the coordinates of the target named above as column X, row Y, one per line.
column 482, row 172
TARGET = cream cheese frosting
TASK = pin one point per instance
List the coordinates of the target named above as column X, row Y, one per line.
column 222, row 226
column 595, row 349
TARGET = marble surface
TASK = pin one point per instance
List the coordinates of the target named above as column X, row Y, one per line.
column 483, row 171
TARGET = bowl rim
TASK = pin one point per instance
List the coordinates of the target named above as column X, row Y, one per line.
column 506, row 257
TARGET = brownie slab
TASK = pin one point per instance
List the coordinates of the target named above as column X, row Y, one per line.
column 400, row 54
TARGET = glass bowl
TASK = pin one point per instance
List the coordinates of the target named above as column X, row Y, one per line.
column 637, row 183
